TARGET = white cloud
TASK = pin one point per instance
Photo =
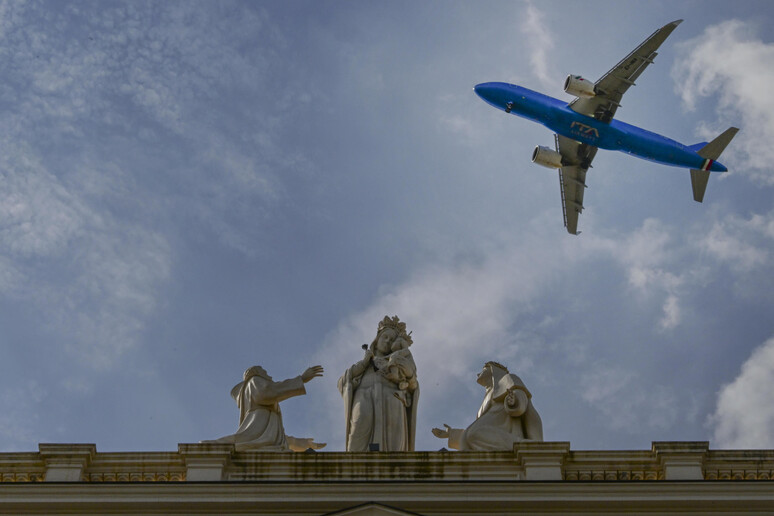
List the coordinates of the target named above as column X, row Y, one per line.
column 114, row 290
column 80, row 236
column 672, row 313
column 94, row 276
column 741, row 243
column 539, row 41
column 10, row 277
column 124, row 77
column 661, row 263
column 730, row 63
column 744, row 416
column 460, row 126
column 463, row 315
column 39, row 215
column 650, row 258
column 6, row 14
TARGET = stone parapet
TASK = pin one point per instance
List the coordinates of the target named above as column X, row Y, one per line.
column 206, row 461
column 529, row 461
column 22, row 467
column 739, row 465
column 681, row 460
column 378, row 466
column 66, row 462
column 542, row 461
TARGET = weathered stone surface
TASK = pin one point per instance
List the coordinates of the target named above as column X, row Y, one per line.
column 526, row 461
column 534, row 477
column 66, row 462
column 683, row 460
column 381, row 393
column 506, row 416
column 260, row 419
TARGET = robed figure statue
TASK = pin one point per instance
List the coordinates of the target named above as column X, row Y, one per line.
column 260, row 419
column 381, row 392
column 506, row 415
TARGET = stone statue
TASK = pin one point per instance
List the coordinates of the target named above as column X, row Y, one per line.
column 260, row 419
column 381, row 392
column 506, row 416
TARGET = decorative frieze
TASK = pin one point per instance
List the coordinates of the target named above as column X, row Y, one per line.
column 22, row 467
column 614, row 475
column 164, row 476
column 22, row 477
column 739, row 465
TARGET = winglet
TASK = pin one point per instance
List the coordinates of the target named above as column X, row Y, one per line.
column 710, row 152
column 667, row 29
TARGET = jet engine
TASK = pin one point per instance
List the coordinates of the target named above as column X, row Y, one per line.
column 578, row 86
column 546, row 157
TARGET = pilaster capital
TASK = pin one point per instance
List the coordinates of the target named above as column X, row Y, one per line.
column 681, row 460
column 66, row 462
column 542, row 460
column 206, row 461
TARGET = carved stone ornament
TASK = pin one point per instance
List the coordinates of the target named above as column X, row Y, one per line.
column 260, row 420
column 506, row 416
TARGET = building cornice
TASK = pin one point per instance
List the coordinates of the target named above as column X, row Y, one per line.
column 423, row 497
column 528, row 461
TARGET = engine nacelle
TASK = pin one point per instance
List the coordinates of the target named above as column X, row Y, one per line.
column 578, row 86
column 546, row 157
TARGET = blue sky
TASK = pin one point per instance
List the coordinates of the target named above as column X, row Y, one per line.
column 191, row 188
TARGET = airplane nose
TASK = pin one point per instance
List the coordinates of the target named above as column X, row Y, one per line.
column 486, row 91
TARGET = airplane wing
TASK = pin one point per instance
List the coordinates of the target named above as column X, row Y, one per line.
column 612, row 86
column 572, row 178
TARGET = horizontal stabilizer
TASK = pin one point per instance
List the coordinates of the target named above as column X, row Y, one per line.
column 699, row 179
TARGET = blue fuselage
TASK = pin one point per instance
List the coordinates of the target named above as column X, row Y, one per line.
column 558, row 117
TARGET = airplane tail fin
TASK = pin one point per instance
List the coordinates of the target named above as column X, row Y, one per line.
column 710, row 151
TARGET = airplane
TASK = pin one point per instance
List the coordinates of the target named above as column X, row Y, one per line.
column 586, row 124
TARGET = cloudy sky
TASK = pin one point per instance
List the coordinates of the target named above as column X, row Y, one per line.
column 191, row 188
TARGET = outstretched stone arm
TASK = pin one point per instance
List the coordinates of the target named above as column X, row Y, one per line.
column 276, row 392
column 454, row 436
column 302, row 444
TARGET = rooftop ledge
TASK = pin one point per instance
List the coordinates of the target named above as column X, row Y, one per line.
column 530, row 461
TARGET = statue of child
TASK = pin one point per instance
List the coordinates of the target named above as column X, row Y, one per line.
column 400, row 370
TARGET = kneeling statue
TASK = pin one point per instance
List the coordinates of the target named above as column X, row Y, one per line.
column 506, row 416
column 260, row 420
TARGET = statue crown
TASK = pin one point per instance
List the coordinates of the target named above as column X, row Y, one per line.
column 395, row 323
